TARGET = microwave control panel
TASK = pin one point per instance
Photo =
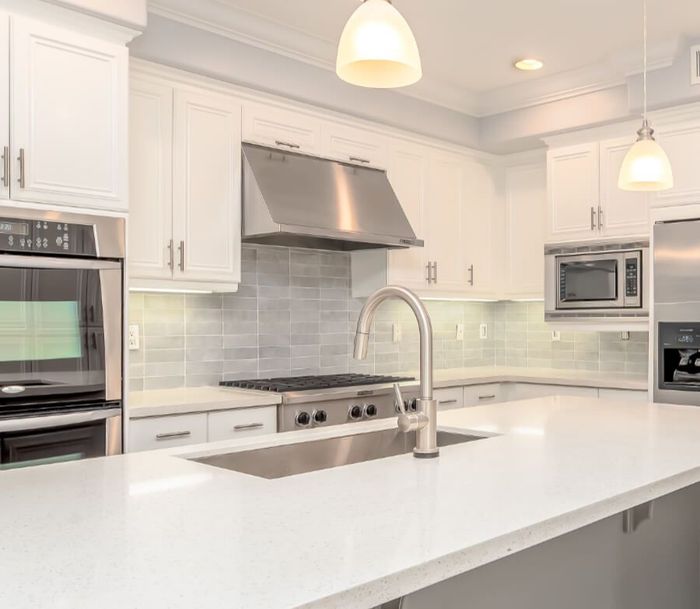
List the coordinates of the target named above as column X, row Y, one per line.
column 633, row 279
column 45, row 237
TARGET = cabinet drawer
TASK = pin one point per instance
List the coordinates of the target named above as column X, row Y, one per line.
column 164, row 432
column 242, row 423
column 281, row 128
column 354, row 146
column 449, row 398
column 525, row 391
column 476, row 395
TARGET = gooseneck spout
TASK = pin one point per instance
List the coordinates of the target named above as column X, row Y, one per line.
column 424, row 422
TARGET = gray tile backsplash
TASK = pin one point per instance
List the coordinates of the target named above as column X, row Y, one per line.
column 294, row 314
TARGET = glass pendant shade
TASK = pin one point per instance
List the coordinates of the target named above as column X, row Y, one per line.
column 646, row 166
column 377, row 48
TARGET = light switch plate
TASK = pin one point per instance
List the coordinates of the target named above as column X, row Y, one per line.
column 134, row 338
column 460, row 332
column 483, row 331
column 556, row 336
column 396, row 332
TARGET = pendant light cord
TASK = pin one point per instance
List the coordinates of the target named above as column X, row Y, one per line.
column 645, row 59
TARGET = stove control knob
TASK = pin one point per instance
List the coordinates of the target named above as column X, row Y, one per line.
column 303, row 419
column 320, row 417
column 355, row 412
column 370, row 411
column 412, row 405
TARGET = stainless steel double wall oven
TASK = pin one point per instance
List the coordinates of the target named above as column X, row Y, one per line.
column 61, row 328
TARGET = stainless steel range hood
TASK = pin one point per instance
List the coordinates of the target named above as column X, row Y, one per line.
column 303, row 201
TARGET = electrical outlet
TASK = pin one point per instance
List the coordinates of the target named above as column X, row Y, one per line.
column 134, row 338
column 556, row 336
column 483, row 331
column 460, row 332
column 396, row 332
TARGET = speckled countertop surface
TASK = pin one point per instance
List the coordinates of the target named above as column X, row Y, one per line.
column 156, row 531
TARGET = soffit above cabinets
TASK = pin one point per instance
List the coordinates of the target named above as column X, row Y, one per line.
column 467, row 49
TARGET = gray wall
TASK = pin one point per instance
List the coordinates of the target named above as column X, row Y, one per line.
column 293, row 314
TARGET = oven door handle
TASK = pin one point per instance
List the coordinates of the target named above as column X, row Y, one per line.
column 58, row 420
column 42, row 262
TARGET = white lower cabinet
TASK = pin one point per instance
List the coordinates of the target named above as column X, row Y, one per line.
column 624, row 395
column 164, row 432
column 241, row 423
column 478, row 395
column 151, row 433
column 449, row 398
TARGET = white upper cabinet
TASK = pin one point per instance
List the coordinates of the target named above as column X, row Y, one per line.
column 526, row 210
column 682, row 145
column 281, row 128
column 150, row 180
column 351, row 145
column 207, row 187
column 408, row 174
column 185, row 219
column 621, row 212
column 68, row 117
column 572, row 178
column 584, row 201
column 5, row 153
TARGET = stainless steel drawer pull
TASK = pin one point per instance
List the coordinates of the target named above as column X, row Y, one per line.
column 592, row 218
column 6, row 166
column 248, row 427
column 358, row 159
column 435, row 275
column 447, row 402
column 429, row 269
column 21, row 178
column 287, row 144
column 171, row 252
column 171, row 435
column 491, row 396
column 600, row 218
column 471, row 274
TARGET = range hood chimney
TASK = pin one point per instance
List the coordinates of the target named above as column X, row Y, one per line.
column 297, row 200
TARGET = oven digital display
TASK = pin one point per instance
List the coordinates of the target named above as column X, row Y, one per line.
column 686, row 339
column 14, row 228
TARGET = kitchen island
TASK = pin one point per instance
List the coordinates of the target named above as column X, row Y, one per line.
column 157, row 530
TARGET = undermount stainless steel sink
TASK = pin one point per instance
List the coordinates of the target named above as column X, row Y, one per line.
column 302, row 457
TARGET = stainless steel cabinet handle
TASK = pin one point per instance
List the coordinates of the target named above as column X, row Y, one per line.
column 181, row 249
column 447, row 402
column 357, row 159
column 600, row 218
column 471, row 274
column 429, row 271
column 435, row 273
column 171, row 252
column 248, row 427
column 491, row 396
column 593, row 218
column 287, row 144
column 171, row 435
column 21, row 178
column 6, row 166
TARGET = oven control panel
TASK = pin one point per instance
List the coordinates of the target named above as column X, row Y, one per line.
column 46, row 237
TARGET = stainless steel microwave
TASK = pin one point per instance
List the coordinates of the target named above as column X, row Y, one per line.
column 597, row 281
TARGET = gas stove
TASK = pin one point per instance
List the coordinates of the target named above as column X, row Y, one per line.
column 332, row 399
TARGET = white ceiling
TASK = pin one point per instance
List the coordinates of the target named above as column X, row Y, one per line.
column 468, row 46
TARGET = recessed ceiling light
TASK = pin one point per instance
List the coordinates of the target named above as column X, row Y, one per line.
column 528, row 65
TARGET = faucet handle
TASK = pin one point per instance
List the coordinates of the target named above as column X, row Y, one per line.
column 398, row 398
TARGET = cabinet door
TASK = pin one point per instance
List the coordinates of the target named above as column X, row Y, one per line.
column 69, row 117
column 478, row 395
column 526, row 205
column 572, row 185
column 281, row 128
column 477, row 239
column 408, row 174
column 165, row 432
column 444, row 222
column 150, row 180
column 682, row 145
column 242, row 423
column 6, row 163
column 354, row 146
column 206, row 187
column 449, row 398
column 623, row 212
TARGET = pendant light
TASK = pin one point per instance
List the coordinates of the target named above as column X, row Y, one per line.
column 377, row 48
column 646, row 166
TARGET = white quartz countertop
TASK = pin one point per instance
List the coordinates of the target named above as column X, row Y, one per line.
column 158, row 402
column 161, row 402
column 156, row 531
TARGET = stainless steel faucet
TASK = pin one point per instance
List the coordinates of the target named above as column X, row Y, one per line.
column 424, row 421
